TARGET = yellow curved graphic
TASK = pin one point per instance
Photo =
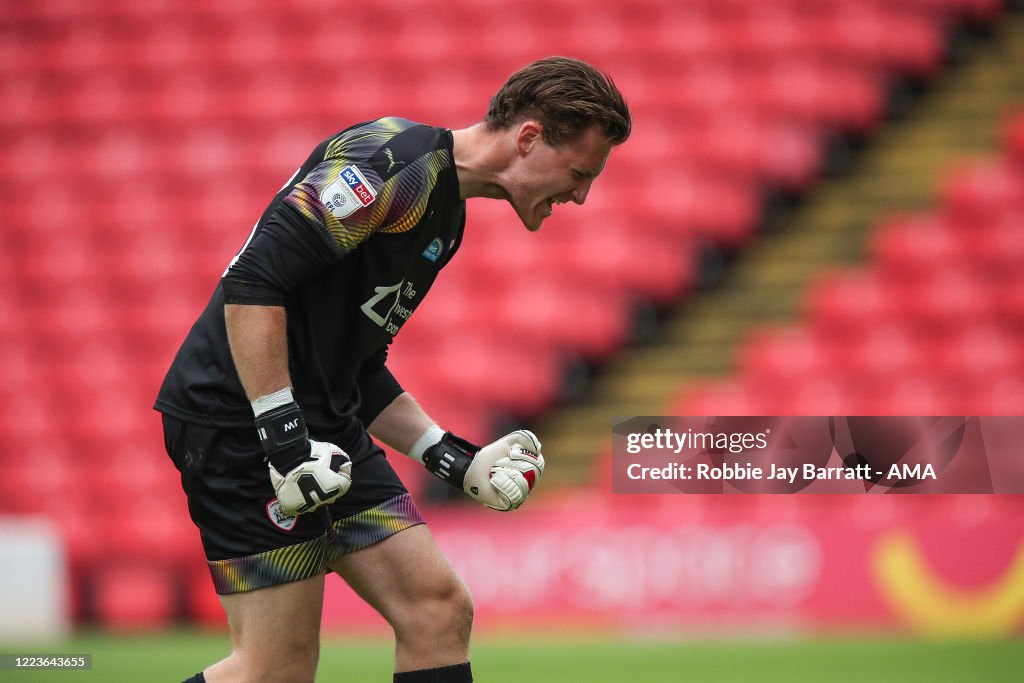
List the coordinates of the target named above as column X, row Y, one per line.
column 931, row 606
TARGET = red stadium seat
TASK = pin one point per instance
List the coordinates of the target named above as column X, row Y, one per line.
column 29, row 104
column 916, row 44
column 909, row 394
column 29, row 417
column 83, row 537
column 515, row 375
column 1010, row 306
column 746, row 147
column 997, row 247
column 1001, row 396
column 66, row 265
column 878, row 352
column 974, row 193
column 134, row 596
column 976, row 355
column 722, row 211
column 783, row 355
column 723, row 397
column 598, row 318
column 911, row 246
column 705, row 89
column 944, row 300
column 23, row 495
column 818, row 94
column 28, row 155
column 686, row 35
column 614, row 255
column 879, row 37
column 766, row 32
column 826, row 394
column 845, row 301
column 146, row 528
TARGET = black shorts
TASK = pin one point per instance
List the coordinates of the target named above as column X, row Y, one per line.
column 249, row 542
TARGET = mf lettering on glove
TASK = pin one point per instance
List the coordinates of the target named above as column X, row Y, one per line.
column 306, row 474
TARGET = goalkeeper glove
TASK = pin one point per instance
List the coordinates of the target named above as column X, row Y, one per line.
column 500, row 475
column 315, row 473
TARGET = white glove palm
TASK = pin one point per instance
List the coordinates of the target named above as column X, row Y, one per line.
column 319, row 480
column 503, row 473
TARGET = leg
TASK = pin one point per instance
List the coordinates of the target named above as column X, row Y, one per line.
column 275, row 634
column 408, row 580
column 267, row 567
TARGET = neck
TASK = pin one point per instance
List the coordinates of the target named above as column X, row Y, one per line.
column 479, row 158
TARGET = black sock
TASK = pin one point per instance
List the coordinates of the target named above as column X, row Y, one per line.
column 458, row 673
column 198, row 678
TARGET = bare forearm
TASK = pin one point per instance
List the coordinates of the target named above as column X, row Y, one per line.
column 401, row 423
column 259, row 345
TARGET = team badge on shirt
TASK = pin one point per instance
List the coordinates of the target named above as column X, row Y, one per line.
column 350, row 192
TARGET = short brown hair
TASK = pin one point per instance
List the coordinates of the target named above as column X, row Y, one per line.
column 566, row 95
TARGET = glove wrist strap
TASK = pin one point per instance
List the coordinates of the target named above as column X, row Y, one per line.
column 449, row 459
column 279, row 398
column 284, row 436
column 431, row 436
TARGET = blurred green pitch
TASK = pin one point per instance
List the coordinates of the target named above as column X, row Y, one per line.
column 173, row 656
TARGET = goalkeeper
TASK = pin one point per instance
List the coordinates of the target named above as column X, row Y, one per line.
column 271, row 402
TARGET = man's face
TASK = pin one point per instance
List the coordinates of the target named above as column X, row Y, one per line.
column 543, row 176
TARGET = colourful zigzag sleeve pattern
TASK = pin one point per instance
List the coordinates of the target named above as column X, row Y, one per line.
column 347, row 197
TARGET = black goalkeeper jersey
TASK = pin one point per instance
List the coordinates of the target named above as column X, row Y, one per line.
column 349, row 247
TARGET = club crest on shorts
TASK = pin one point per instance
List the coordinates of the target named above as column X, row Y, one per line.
column 280, row 518
column 351, row 191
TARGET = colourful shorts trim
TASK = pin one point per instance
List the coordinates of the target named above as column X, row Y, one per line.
column 312, row 558
column 371, row 526
column 270, row 568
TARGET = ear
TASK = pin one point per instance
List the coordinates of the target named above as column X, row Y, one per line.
column 528, row 134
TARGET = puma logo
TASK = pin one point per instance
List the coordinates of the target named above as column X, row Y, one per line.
column 391, row 159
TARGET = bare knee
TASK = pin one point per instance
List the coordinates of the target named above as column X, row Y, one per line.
column 288, row 661
column 440, row 613
column 408, row 580
column 296, row 662
column 275, row 634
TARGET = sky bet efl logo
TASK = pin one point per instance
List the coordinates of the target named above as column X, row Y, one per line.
column 349, row 193
column 357, row 183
